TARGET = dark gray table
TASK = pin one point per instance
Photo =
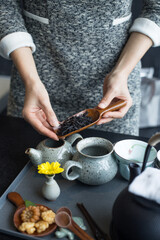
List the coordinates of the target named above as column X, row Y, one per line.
column 16, row 136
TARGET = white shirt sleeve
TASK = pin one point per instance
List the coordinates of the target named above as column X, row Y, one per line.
column 14, row 41
column 147, row 27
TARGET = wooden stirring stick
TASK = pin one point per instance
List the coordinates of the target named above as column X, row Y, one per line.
column 98, row 233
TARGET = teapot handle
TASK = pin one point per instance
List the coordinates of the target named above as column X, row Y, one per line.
column 67, row 167
column 73, row 138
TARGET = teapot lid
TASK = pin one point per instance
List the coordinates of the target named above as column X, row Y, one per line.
column 147, row 185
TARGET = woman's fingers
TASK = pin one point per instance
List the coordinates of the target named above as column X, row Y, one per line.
column 104, row 120
column 40, row 124
column 38, row 110
column 42, row 129
column 109, row 116
column 117, row 114
column 106, row 100
column 115, row 88
column 50, row 115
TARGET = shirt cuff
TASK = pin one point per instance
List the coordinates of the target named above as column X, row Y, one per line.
column 147, row 27
column 15, row 40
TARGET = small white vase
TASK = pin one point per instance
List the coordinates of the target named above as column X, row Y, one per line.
column 50, row 189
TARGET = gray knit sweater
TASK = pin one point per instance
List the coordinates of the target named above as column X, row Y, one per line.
column 77, row 43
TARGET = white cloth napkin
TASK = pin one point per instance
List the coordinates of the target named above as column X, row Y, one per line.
column 147, row 184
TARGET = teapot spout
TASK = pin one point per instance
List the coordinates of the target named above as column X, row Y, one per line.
column 135, row 170
column 34, row 155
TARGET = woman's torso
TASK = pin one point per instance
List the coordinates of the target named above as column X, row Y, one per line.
column 78, row 43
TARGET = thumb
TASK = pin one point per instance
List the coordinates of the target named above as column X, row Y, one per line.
column 51, row 116
column 105, row 101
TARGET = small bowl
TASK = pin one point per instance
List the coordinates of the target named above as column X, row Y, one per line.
column 132, row 151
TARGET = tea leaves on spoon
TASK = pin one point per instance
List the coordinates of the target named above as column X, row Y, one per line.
column 74, row 123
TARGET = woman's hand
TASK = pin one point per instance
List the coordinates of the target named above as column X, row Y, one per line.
column 115, row 83
column 37, row 108
column 38, row 111
column 115, row 87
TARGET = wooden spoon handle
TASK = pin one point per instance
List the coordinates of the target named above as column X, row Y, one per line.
column 76, row 232
column 86, row 236
column 112, row 107
column 16, row 198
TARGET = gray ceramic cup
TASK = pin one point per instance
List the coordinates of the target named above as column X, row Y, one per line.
column 93, row 163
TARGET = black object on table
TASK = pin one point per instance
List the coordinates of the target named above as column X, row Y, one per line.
column 16, row 136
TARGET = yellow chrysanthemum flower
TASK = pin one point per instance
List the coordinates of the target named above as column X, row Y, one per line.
column 50, row 168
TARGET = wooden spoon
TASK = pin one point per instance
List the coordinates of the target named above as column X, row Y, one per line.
column 94, row 113
column 68, row 211
column 16, row 198
column 64, row 220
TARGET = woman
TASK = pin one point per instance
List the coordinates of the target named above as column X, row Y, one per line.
column 85, row 53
